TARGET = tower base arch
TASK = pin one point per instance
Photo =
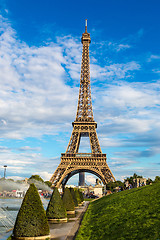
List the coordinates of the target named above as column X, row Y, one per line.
column 72, row 164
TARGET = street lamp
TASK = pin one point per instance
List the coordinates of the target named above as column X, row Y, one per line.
column 5, row 167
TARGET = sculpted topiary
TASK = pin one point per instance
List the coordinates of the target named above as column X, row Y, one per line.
column 77, row 196
column 31, row 219
column 68, row 200
column 56, row 209
column 81, row 195
column 74, row 197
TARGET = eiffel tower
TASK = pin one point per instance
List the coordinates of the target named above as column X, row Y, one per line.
column 84, row 125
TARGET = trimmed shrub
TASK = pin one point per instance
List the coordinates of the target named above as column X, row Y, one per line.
column 31, row 219
column 56, row 209
column 77, row 196
column 81, row 195
column 74, row 197
column 68, row 200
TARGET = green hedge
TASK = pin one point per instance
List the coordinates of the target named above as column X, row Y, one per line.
column 77, row 196
column 68, row 200
column 56, row 209
column 74, row 197
column 81, row 195
column 31, row 219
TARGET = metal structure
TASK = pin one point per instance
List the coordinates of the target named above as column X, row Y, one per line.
column 73, row 162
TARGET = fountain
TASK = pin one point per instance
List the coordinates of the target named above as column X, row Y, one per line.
column 7, row 221
column 9, row 206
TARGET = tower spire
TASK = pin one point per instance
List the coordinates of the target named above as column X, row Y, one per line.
column 86, row 26
column 84, row 110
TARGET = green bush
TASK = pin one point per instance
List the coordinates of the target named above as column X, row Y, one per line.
column 56, row 209
column 77, row 196
column 81, row 195
column 31, row 219
column 48, row 183
column 74, row 197
column 68, row 200
column 37, row 178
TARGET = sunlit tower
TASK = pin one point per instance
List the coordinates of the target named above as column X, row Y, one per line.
column 73, row 162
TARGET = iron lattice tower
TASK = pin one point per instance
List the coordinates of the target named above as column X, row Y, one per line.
column 73, row 162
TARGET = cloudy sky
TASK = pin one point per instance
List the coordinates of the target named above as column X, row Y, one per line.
column 40, row 61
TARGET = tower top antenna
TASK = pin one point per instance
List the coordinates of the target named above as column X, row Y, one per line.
column 86, row 25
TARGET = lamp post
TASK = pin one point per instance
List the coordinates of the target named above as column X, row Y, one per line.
column 5, row 167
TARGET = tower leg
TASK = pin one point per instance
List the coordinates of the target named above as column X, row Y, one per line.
column 81, row 179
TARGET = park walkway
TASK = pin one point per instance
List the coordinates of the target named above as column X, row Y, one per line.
column 67, row 231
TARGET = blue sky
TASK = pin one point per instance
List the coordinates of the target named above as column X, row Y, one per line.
column 40, row 61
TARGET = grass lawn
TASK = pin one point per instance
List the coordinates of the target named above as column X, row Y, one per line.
column 88, row 199
column 132, row 214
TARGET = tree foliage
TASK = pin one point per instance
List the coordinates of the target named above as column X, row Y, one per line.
column 48, row 183
column 81, row 195
column 157, row 179
column 112, row 185
column 37, row 178
column 31, row 219
column 56, row 209
column 74, row 197
column 135, row 176
column 68, row 200
column 149, row 181
column 77, row 196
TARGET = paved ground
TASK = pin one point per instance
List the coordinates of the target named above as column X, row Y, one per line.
column 66, row 231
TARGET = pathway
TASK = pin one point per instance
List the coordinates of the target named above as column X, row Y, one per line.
column 67, row 231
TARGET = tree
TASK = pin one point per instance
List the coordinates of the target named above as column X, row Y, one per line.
column 10, row 179
column 68, row 200
column 157, row 179
column 77, row 196
column 81, row 195
column 38, row 181
column 74, row 197
column 149, row 181
column 31, row 219
column 48, row 183
column 136, row 176
column 56, row 209
column 37, row 178
column 112, row 185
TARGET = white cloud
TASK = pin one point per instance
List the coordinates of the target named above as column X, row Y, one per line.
column 117, row 46
column 28, row 148
column 123, row 107
column 118, row 162
column 27, row 163
column 90, row 179
column 15, row 178
column 109, row 142
column 35, row 96
column 153, row 57
column 33, row 92
column 113, row 71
